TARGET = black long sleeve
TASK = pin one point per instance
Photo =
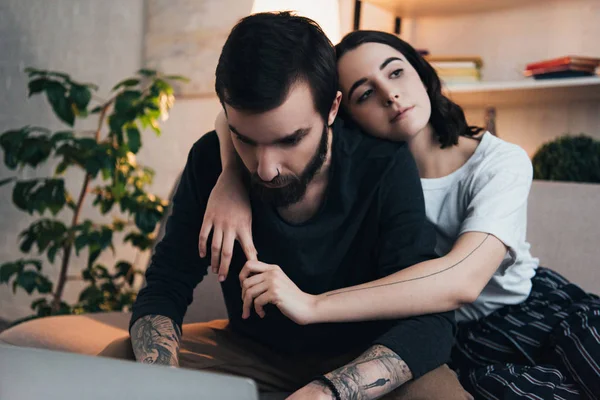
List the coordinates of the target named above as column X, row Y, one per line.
column 176, row 267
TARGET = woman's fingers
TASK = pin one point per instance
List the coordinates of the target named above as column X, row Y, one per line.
column 245, row 239
column 250, row 295
column 215, row 249
column 226, row 252
column 207, row 225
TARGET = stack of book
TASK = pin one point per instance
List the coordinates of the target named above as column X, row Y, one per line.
column 563, row 67
column 457, row 69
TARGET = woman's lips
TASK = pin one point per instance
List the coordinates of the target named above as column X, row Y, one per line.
column 401, row 114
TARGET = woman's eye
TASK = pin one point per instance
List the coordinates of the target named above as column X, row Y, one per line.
column 396, row 73
column 365, row 96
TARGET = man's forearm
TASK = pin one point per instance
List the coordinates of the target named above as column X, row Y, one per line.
column 375, row 373
column 155, row 340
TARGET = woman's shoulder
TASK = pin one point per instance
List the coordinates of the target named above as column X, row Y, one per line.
column 498, row 155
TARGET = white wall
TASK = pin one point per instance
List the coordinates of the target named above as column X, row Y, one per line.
column 509, row 39
column 371, row 18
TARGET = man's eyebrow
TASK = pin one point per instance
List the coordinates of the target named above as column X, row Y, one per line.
column 245, row 138
column 299, row 133
column 364, row 80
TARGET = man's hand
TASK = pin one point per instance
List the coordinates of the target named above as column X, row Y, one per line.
column 265, row 283
column 313, row 391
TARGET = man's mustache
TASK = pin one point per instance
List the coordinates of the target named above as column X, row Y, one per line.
column 278, row 182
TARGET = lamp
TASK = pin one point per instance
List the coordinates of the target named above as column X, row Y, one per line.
column 325, row 12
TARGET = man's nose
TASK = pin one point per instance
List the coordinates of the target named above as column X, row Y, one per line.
column 268, row 169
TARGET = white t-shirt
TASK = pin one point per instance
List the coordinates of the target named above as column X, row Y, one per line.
column 487, row 194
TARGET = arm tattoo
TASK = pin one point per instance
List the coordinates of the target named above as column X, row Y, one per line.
column 375, row 373
column 412, row 279
column 155, row 340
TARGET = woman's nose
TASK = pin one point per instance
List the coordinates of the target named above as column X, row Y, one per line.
column 391, row 99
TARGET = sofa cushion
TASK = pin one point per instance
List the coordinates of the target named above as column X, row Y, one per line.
column 88, row 334
column 563, row 227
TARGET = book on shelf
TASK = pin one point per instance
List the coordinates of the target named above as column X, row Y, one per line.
column 457, row 69
column 452, row 59
column 563, row 74
column 453, row 64
column 562, row 67
column 562, row 61
column 443, row 72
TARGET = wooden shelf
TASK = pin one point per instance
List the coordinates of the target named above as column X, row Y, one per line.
column 526, row 91
column 424, row 8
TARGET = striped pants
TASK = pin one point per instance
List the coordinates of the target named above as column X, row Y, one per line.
column 547, row 347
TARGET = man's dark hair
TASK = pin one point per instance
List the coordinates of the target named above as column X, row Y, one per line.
column 447, row 118
column 266, row 53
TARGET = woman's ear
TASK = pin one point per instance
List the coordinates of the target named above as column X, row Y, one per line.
column 335, row 107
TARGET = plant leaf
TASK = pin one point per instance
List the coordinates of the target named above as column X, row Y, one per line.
column 22, row 193
column 28, row 280
column 7, row 270
column 7, row 180
column 126, row 83
column 147, row 72
column 134, row 139
column 178, row 78
column 57, row 96
column 80, row 96
column 37, row 85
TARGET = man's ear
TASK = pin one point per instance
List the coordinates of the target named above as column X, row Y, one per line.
column 335, row 107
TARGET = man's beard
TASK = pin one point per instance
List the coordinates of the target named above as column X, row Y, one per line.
column 295, row 186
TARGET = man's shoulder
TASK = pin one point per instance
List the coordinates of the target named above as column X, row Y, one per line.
column 204, row 161
column 207, row 145
column 364, row 148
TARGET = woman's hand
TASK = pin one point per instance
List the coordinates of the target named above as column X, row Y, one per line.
column 229, row 217
column 265, row 283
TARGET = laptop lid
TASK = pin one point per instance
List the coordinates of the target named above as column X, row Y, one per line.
column 36, row 374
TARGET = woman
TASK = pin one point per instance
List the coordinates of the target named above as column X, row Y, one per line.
column 523, row 331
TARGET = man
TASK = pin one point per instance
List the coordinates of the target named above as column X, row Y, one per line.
column 331, row 208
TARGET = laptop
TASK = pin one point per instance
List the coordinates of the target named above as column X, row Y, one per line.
column 37, row 374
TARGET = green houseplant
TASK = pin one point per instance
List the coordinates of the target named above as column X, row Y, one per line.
column 568, row 158
column 111, row 177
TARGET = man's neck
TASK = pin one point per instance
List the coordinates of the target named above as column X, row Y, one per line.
column 310, row 204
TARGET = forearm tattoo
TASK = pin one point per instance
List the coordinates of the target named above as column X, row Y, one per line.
column 375, row 373
column 155, row 340
column 412, row 279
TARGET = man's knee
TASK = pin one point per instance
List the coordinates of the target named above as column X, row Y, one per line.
column 441, row 383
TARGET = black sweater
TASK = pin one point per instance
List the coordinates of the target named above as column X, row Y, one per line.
column 371, row 224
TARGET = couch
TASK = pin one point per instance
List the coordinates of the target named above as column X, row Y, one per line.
column 563, row 229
